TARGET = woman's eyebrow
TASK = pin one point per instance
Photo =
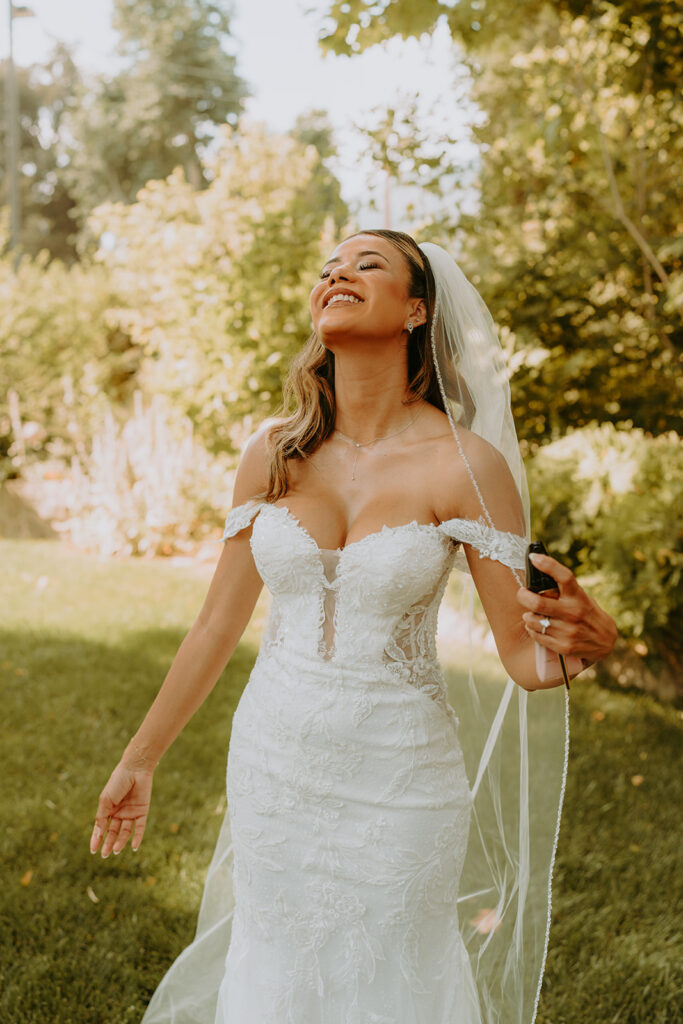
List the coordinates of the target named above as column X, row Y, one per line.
column 365, row 252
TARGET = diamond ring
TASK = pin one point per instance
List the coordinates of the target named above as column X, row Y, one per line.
column 545, row 623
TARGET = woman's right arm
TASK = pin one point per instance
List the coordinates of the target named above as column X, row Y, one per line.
column 202, row 656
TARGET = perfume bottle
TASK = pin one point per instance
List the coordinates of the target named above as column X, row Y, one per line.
column 549, row 665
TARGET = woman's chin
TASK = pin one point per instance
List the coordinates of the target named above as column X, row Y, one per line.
column 332, row 332
column 340, row 317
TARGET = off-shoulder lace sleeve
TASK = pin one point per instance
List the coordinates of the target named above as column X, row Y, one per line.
column 239, row 518
column 508, row 548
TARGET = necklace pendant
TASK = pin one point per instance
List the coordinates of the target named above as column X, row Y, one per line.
column 367, row 444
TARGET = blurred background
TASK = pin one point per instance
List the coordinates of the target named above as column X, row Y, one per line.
column 172, row 175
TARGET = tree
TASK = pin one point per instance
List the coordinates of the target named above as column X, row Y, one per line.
column 46, row 93
column 573, row 245
column 417, row 157
column 179, row 84
column 200, row 298
column 212, row 287
column 576, row 248
column 314, row 129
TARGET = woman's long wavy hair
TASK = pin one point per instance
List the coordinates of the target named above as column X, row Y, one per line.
column 308, row 393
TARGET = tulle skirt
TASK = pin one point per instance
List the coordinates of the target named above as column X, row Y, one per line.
column 332, row 895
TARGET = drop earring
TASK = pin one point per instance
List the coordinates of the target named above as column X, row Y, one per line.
column 410, row 327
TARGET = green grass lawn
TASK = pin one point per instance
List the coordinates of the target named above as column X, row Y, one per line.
column 84, row 645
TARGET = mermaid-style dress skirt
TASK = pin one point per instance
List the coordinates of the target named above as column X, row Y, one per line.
column 348, row 802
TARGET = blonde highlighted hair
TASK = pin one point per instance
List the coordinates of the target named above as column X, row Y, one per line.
column 308, row 395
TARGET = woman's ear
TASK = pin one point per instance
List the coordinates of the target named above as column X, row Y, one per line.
column 418, row 312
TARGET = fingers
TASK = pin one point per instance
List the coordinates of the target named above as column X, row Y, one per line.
column 558, row 636
column 117, row 832
column 572, row 639
column 96, row 837
column 126, row 831
column 578, row 626
column 111, row 836
column 140, row 824
column 104, row 809
column 541, row 626
column 123, row 808
column 568, row 608
column 124, row 835
column 560, row 573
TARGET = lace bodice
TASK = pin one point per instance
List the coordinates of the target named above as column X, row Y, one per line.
column 372, row 604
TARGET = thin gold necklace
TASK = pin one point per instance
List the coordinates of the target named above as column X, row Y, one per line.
column 366, row 444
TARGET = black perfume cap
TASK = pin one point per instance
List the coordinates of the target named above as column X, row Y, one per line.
column 535, row 579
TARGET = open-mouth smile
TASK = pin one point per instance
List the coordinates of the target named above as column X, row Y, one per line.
column 342, row 298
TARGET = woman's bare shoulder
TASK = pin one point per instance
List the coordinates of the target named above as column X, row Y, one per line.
column 253, row 472
column 479, row 452
column 449, row 471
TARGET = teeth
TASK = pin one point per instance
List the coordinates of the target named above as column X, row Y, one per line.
column 343, row 298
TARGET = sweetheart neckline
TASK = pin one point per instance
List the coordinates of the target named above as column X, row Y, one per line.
column 354, row 543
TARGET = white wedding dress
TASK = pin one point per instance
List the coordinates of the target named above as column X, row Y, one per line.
column 348, row 802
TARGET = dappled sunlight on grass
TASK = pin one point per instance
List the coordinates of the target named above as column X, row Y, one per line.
column 82, row 656
column 80, row 660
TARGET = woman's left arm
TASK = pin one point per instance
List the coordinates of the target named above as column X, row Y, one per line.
column 578, row 628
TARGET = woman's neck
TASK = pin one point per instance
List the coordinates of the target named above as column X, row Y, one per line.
column 371, row 398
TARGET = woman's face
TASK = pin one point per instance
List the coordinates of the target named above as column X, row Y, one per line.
column 364, row 291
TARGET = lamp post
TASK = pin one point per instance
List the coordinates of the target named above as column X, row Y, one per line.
column 12, row 116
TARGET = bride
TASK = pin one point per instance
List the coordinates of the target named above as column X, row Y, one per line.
column 386, row 857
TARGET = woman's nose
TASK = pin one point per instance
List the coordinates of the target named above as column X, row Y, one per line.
column 340, row 272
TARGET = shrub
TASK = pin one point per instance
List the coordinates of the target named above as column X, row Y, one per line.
column 54, row 357
column 143, row 486
column 201, row 297
column 608, row 503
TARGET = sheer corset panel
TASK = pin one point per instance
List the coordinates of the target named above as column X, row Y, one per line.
column 330, row 563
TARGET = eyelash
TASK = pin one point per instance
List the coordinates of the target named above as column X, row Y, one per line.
column 361, row 266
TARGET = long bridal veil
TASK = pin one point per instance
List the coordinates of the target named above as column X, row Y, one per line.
column 515, row 742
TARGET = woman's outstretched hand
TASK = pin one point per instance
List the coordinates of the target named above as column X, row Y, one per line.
column 122, row 809
column 577, row 624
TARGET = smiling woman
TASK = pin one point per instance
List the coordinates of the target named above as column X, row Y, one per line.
column 368, row 870
column 389, row 318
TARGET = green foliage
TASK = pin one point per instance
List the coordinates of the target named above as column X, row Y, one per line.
column 410, row 149
column 84, row 142
column 352, row 26
column 572, row 246
column 200, row 297
column 324, row 192
column 55, row 357
column 179, row 85
column 399, row 146
column 213, row 285
column 144, row 487
column 46, row 92
column 608, row 503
